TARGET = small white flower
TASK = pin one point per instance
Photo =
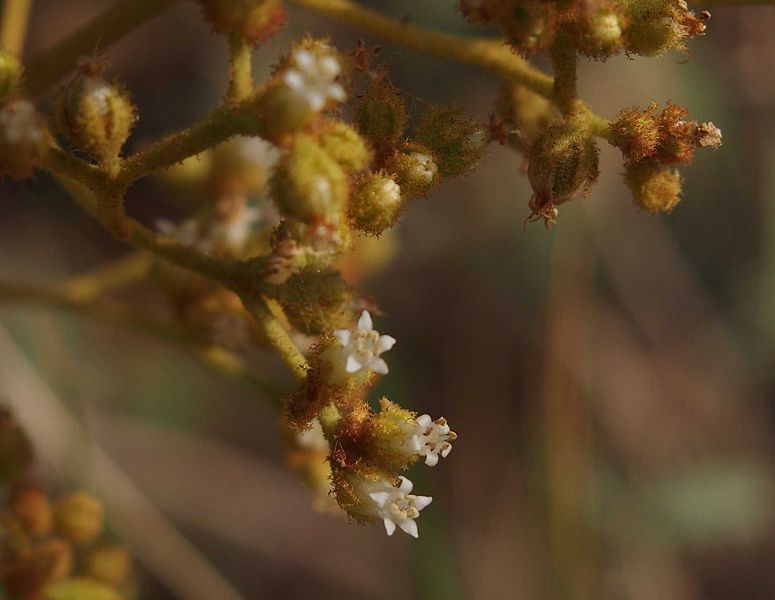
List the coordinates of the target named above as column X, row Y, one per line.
column 432, row 438
column 313, row 77
column 20, row 123
column 709, row 135
column 396, row 506
column 424, row 166
column 363, row 346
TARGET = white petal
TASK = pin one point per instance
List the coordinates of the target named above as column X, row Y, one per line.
column 421, row 502
column 329, row 66
column 431, row 459
column 424, row 421
column 390, row 526
column 294, row 80
column 379, row 366
column 336, row 92
column 386, row 342
column 316, row 101
column 410, row 527
column 446, row 449
column 406, row 485
column 353, row 366
column 417, row 442
column 343, row 335
column 365, row 323
column 304, row 60
column 380, row 497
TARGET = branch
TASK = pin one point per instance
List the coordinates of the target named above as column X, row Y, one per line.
column 13, row 25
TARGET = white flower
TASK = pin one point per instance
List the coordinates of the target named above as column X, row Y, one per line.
column 363, row 346
column 20, row 123
column 709, row 135
column 313, row 77
column 424, row 166
column 432, row 438
column 397, row 507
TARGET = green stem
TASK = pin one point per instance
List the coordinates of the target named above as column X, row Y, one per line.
column 564, row 61
column 13, row 25
column 240, row 70
column 121, row 18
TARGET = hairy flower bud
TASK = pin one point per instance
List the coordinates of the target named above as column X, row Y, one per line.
column 375, row 204
column 96, row 115
column 636, row 132
column 342, row 143
column 381, row 113
column 456, row 140
column 308, row 184
column 658, row 26
column 315, row 300
column 24, row 139
column 79, row 517
column 654, row 187
column 600, row 33
column 111, row 564
column 254, row 21
column 30, row 505
column 10, row 74
column 415, row 170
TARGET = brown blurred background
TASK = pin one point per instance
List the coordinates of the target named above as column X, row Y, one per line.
column 611, row 381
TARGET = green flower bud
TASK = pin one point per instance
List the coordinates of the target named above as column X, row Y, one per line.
column 79, row 517
column 10, row 75
column 456, row 140
column 80, row 588
column 282, row 113
column 110, row 564
column 24, row 139
column 415, row 170
column 375, row 204
column 342, row 143
column 253, row 20
column 97, row 116
column 316, row 300
column 308, row 184
column 600, row 34
column 562, row 162
column 381, row 113
column 654, row 188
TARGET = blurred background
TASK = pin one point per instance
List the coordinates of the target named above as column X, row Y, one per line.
column 611, row 381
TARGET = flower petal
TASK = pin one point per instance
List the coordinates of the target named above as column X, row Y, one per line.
column 380, row 498
column 410, row 527
column 365, row 323
column 424, row 421
column 379, row 366
column 421, row 502
column 431, row 459
column 386, row 342
column 343, row 335
column 406, row 485
column 390, row 526
column 294, row 80
column 353, row 365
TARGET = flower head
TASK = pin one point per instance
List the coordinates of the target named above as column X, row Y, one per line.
column 313, row 77
column 363, row 346
column 432, row 438
column 396, row 506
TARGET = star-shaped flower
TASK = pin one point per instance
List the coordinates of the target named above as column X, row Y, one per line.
column 363, row 346
column 313, row 77
column 432, row 439
column 396, row 506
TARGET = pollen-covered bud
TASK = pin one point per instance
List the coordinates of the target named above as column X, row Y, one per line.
column 415, row 170
column 375, row 204
column 654, row 187
column 456, row 140
column 96, row 115
column 308, row 184
column 255, row 21
column 110, row 564
column 381, row 113
column 10, row 75
column 31, row 507
column 80, row 588
column 563, row 162
column 342, row 143
column 636, row 132
column 79, row 517
column 390, row 436
column 24, row 139
column 599, row 33
column 315, row 300
column 658, row 26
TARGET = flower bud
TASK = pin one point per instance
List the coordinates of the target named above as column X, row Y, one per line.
column 654, row 188
column 31, row 506
column 415, row 170
column 381, row 113
column 80, row 588
column 636, row 132
column 24, row 139
column 658, row 26
column 342, row 143
column 308, row 184
column 600, row 33
column 282, row 113
column 562, row 162
column 456, row 140
column 79, row 517
column 315, row 300
column 110, row 564
column 375, row 204
column 96, row 115
column 55, row 559
column 10, row 75
column 255, row 21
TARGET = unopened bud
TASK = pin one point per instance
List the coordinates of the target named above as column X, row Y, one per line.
column 600, row 34
column 381, row 113
column 254, row 21
column 31, row 506
column 654, row 187
column 111, row 564
column 79, row 517
column 315, row 300
column 376, row 204
column 415, row 170
column 456, row 140
column 342, row 143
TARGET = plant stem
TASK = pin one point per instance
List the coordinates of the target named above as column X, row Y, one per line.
column 564, row 61
column 121, row 18
column 109, row 276
column 13, row 25
column 240, row 70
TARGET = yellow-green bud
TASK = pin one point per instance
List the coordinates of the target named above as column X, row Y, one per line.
column 308, row 184
column 111, row 564
column 654, row 188
column 30, row 505
column 561, row 163
column 381, row 113
column 24, row 139
column 600, row 34
column 10, row 74
column 342, row 143
column 253, row 20
column 456, row 140
column 415, row 170
column 389, row 432
column 80, row 588
column 316, row 300
column 97, row 116
column 282, row 113
column 375, row 204
column 79, row 517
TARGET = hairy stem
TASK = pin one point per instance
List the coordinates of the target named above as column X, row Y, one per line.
column 240, row 70
column 112, row 275
column 564, row 61
column 13, row 25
